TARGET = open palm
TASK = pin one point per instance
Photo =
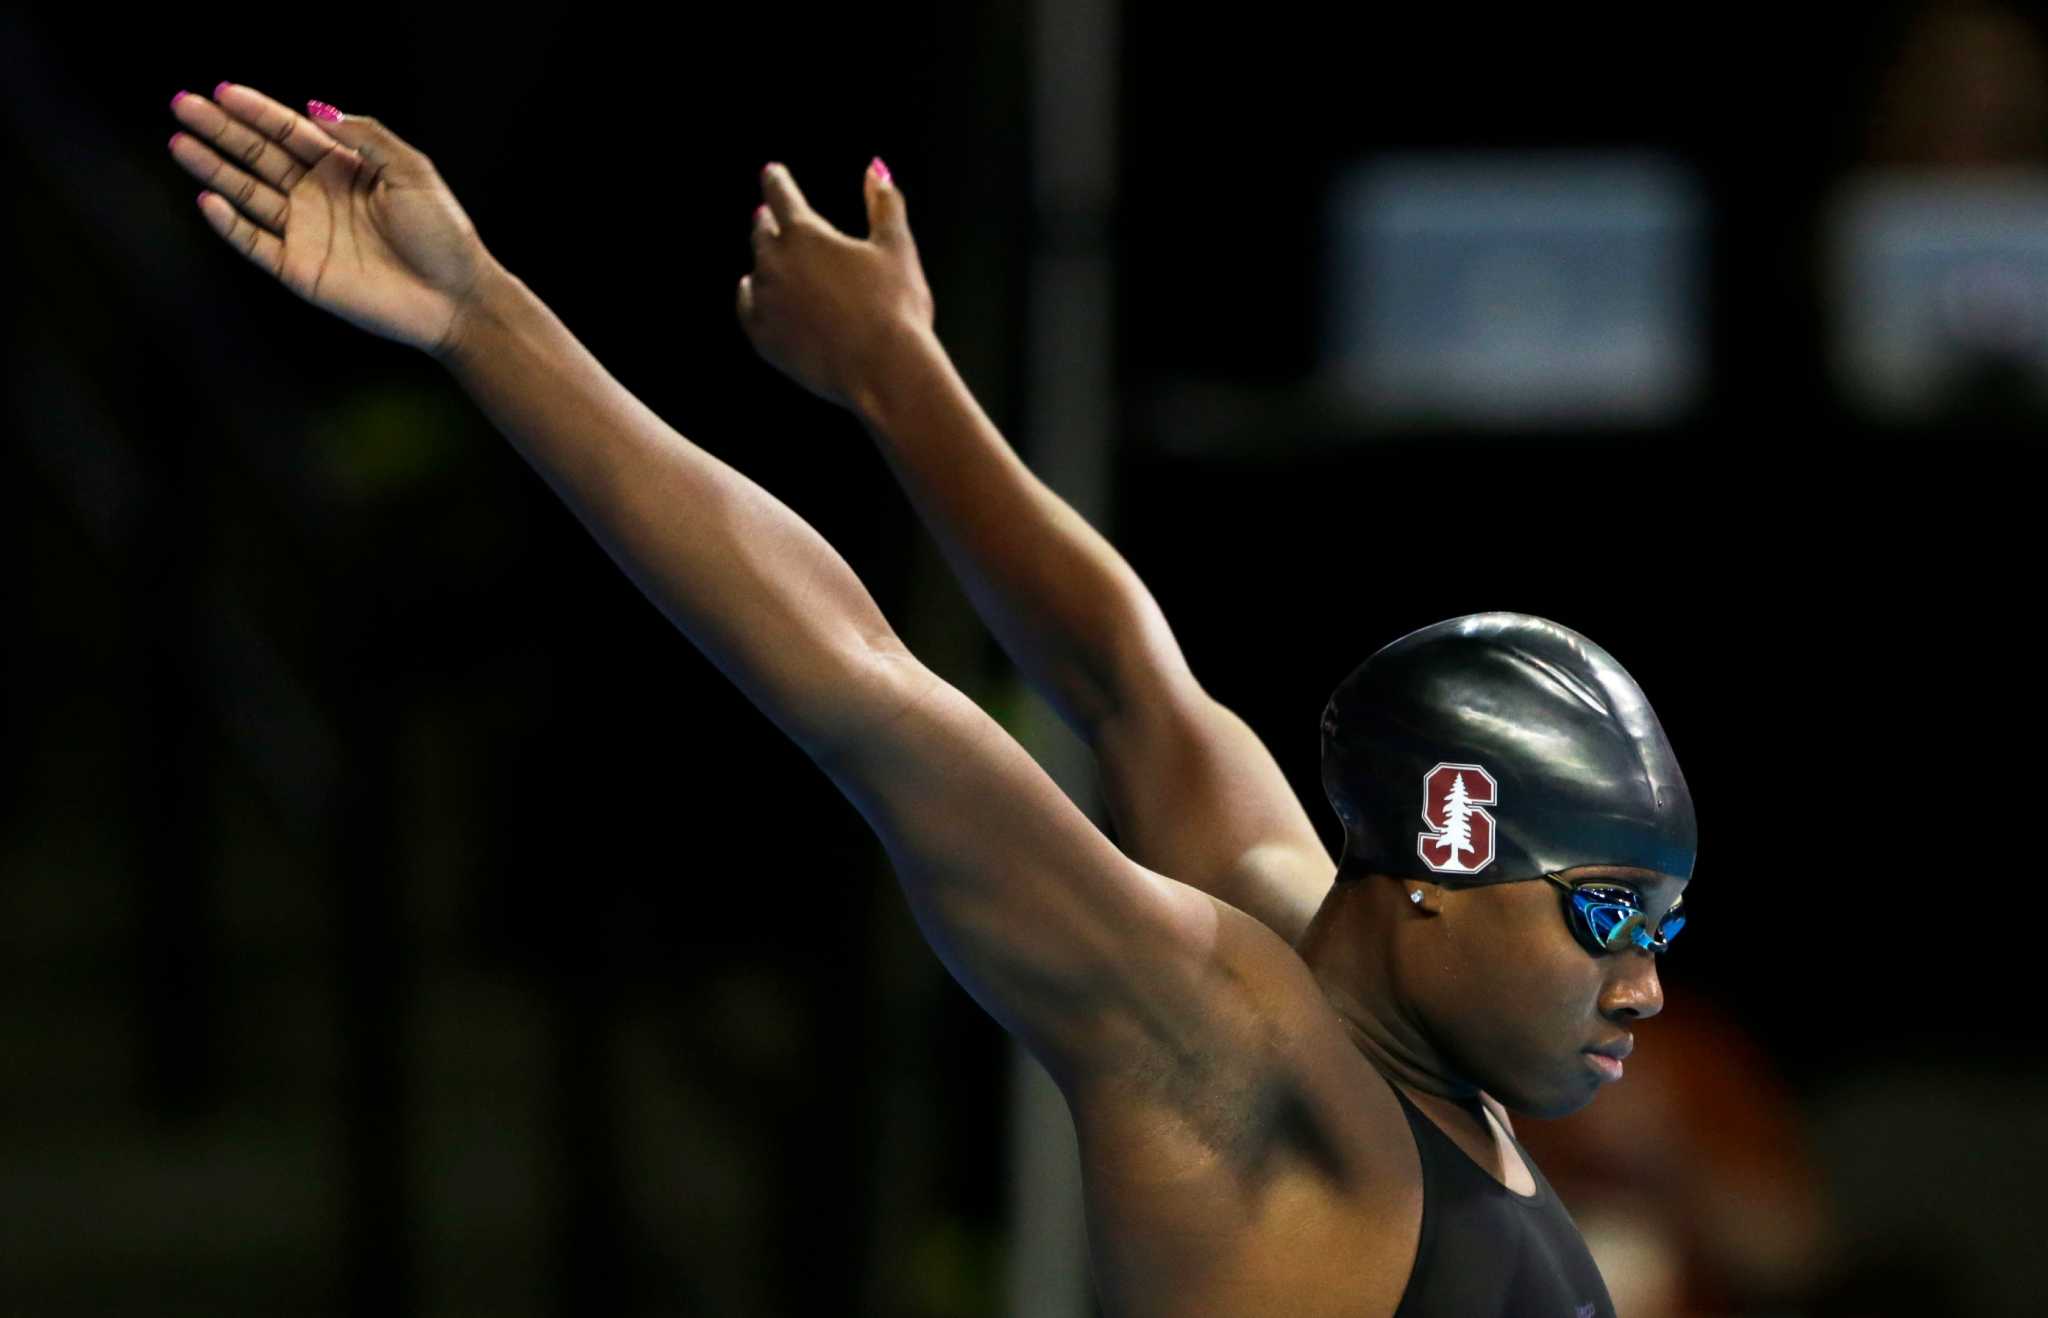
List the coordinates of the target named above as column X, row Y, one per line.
column 346, row 214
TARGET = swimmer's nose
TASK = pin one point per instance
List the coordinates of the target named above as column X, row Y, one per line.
column 1633, row 991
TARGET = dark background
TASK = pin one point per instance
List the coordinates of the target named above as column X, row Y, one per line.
column 398, row 916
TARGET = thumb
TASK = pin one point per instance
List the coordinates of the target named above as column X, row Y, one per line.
column 888, row 220
column 383, row 151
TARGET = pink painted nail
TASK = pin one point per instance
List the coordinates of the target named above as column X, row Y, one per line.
column 179, row 97
column 219, row 87
column 324, row 112
column 881, row 170
column 175, row 137
column 202, row 199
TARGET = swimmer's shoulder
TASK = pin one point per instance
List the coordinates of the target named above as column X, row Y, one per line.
column 1270, row 1051
column 1264, row 1153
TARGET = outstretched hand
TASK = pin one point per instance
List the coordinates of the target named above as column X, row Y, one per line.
column 345, row 214
column 825, row 309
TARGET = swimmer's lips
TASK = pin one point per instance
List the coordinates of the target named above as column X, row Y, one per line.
column 1618, row 1050
column 1606, row 1059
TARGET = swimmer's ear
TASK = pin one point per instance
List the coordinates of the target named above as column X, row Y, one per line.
column 1422, row 896
column 888, row 219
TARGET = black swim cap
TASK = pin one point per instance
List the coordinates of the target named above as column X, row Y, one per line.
column 1497, row 747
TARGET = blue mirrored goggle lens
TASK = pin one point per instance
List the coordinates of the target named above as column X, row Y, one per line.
column 1616, row 922
column 1614, row 925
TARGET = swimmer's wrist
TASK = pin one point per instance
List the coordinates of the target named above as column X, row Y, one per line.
column 907, row 360
column 493, row 306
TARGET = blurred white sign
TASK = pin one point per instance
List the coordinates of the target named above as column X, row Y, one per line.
column 1933, row 274
column 1517, row 289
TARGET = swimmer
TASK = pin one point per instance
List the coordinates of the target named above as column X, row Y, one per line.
column 1294, row 1113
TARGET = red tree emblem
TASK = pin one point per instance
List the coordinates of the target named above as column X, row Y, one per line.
column 1460, row 836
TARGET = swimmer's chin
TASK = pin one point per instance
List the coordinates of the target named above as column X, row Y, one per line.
column 1562, row 1109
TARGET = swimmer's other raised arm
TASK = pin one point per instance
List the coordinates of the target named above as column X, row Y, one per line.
column 1194, row 792
column 1096, row 963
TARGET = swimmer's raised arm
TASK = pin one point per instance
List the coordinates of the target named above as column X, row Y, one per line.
column 359, row 223
column 1194, row 792
column 1096, row 963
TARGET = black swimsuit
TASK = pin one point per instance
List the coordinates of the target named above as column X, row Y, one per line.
column 1487, row 1252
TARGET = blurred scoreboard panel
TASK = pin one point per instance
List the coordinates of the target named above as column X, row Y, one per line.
column 1939, row 286
column 1517, row 290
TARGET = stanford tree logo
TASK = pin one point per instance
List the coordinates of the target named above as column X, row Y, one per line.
column 1460, row 836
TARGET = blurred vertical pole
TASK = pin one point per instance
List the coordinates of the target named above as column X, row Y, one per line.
column 161, row 559
column 1071, row 391
column 595, row 1271
column 972, row 226
column 375, row 971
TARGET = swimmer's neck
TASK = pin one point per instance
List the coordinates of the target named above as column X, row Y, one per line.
column 1344, row 947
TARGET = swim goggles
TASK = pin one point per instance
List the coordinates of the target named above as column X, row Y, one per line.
column 1606, row 917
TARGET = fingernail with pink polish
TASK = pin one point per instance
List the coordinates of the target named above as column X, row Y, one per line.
column 220, row 87
column 881, row 170
column 324, row 112
column 179, row 97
